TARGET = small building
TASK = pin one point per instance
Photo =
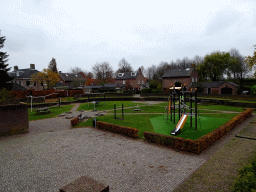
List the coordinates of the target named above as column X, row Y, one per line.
column 71, row 79
column 105, row 88
column 135, row 79
column 24, row 78
column 219, row 87
column 185, row 76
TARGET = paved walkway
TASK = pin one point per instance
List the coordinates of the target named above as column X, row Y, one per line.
column 52, row 155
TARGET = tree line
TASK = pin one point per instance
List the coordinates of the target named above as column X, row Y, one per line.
column 215, row 66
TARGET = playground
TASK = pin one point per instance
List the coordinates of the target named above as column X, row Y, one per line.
column 182, row 111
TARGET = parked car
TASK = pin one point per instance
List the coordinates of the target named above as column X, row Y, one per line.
column 245, row 93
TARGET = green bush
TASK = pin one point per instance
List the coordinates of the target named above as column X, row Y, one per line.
column 157, row 91
column 247, row 178
column 4, row 95
column 253, row 90
column 146, row 90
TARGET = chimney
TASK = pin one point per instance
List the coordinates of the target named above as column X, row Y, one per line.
column 16, row 68
column 32, row 66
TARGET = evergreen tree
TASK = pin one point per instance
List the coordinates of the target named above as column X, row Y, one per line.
column 4, row 76
column 53, row 65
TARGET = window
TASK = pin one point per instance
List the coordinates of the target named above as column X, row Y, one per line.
column 34, row 83
column 138, row 81
column 27, row 83
column 192, row 79
column 142, row 82
column 133, row 74
column 120, row 74
column 123, row 82
column 20, row 82
column 196, row 79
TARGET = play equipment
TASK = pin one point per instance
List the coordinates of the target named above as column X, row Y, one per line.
column 180, row 124
column 122, row 111
column 180, row 98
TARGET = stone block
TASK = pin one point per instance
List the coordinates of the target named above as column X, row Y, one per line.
column 85, row 184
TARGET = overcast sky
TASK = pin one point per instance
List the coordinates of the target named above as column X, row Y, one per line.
column 144, row 32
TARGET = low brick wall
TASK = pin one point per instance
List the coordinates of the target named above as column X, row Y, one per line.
column 199, row 145
column 13, row 119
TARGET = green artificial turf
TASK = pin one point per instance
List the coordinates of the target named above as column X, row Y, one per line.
column 55, row 111
column 107, row 106
column 205, row 124
column 141, row 122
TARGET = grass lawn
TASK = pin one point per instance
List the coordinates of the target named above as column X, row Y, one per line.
column 55, row 111
column 205, row 124
column 155, row 109
column 107, row 106
column 156, row 123
column 210, row 107
column 141, row 122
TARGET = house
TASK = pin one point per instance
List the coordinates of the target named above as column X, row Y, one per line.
column 71, row 80
column 185, row 76
column 219, row 87
column 105, row 88
column 24, row 78
column 135, row 79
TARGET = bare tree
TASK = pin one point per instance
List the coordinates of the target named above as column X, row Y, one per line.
column 150, row 72
column 124, row 66
column 103, row 72
column 77, row 70
column 237, row 66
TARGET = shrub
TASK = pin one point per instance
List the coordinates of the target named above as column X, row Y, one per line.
column 157, row 91
column 246, row 180
column 146, row 90
column 253, row 90
column 4, row 95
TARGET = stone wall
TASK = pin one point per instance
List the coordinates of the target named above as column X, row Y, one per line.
column 14, row 119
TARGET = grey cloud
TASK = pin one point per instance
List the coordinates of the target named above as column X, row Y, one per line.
column 19, row 39
column 222, row 21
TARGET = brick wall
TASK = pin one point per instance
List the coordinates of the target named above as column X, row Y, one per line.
column 13, row 119
column 167, row 82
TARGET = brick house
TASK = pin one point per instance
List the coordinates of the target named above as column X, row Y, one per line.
column 185, row 76
column 219, row 87
column 23, row 77
column 67, row 79
column 136, row 79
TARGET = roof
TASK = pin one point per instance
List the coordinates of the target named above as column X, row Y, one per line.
column 113, row 85
column 214, row 84
column 93, row 87
column 178, row 72
column 71, row 77
column 23, row 73
column 16, row 87
column 127, row 75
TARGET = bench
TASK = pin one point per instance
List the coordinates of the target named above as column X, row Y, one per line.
column 43, row 110
column 85, row 184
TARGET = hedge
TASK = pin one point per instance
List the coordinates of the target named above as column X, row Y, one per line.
column 131, row 132
column 199, row 145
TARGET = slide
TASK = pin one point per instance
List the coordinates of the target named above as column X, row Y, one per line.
column 180, row 124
